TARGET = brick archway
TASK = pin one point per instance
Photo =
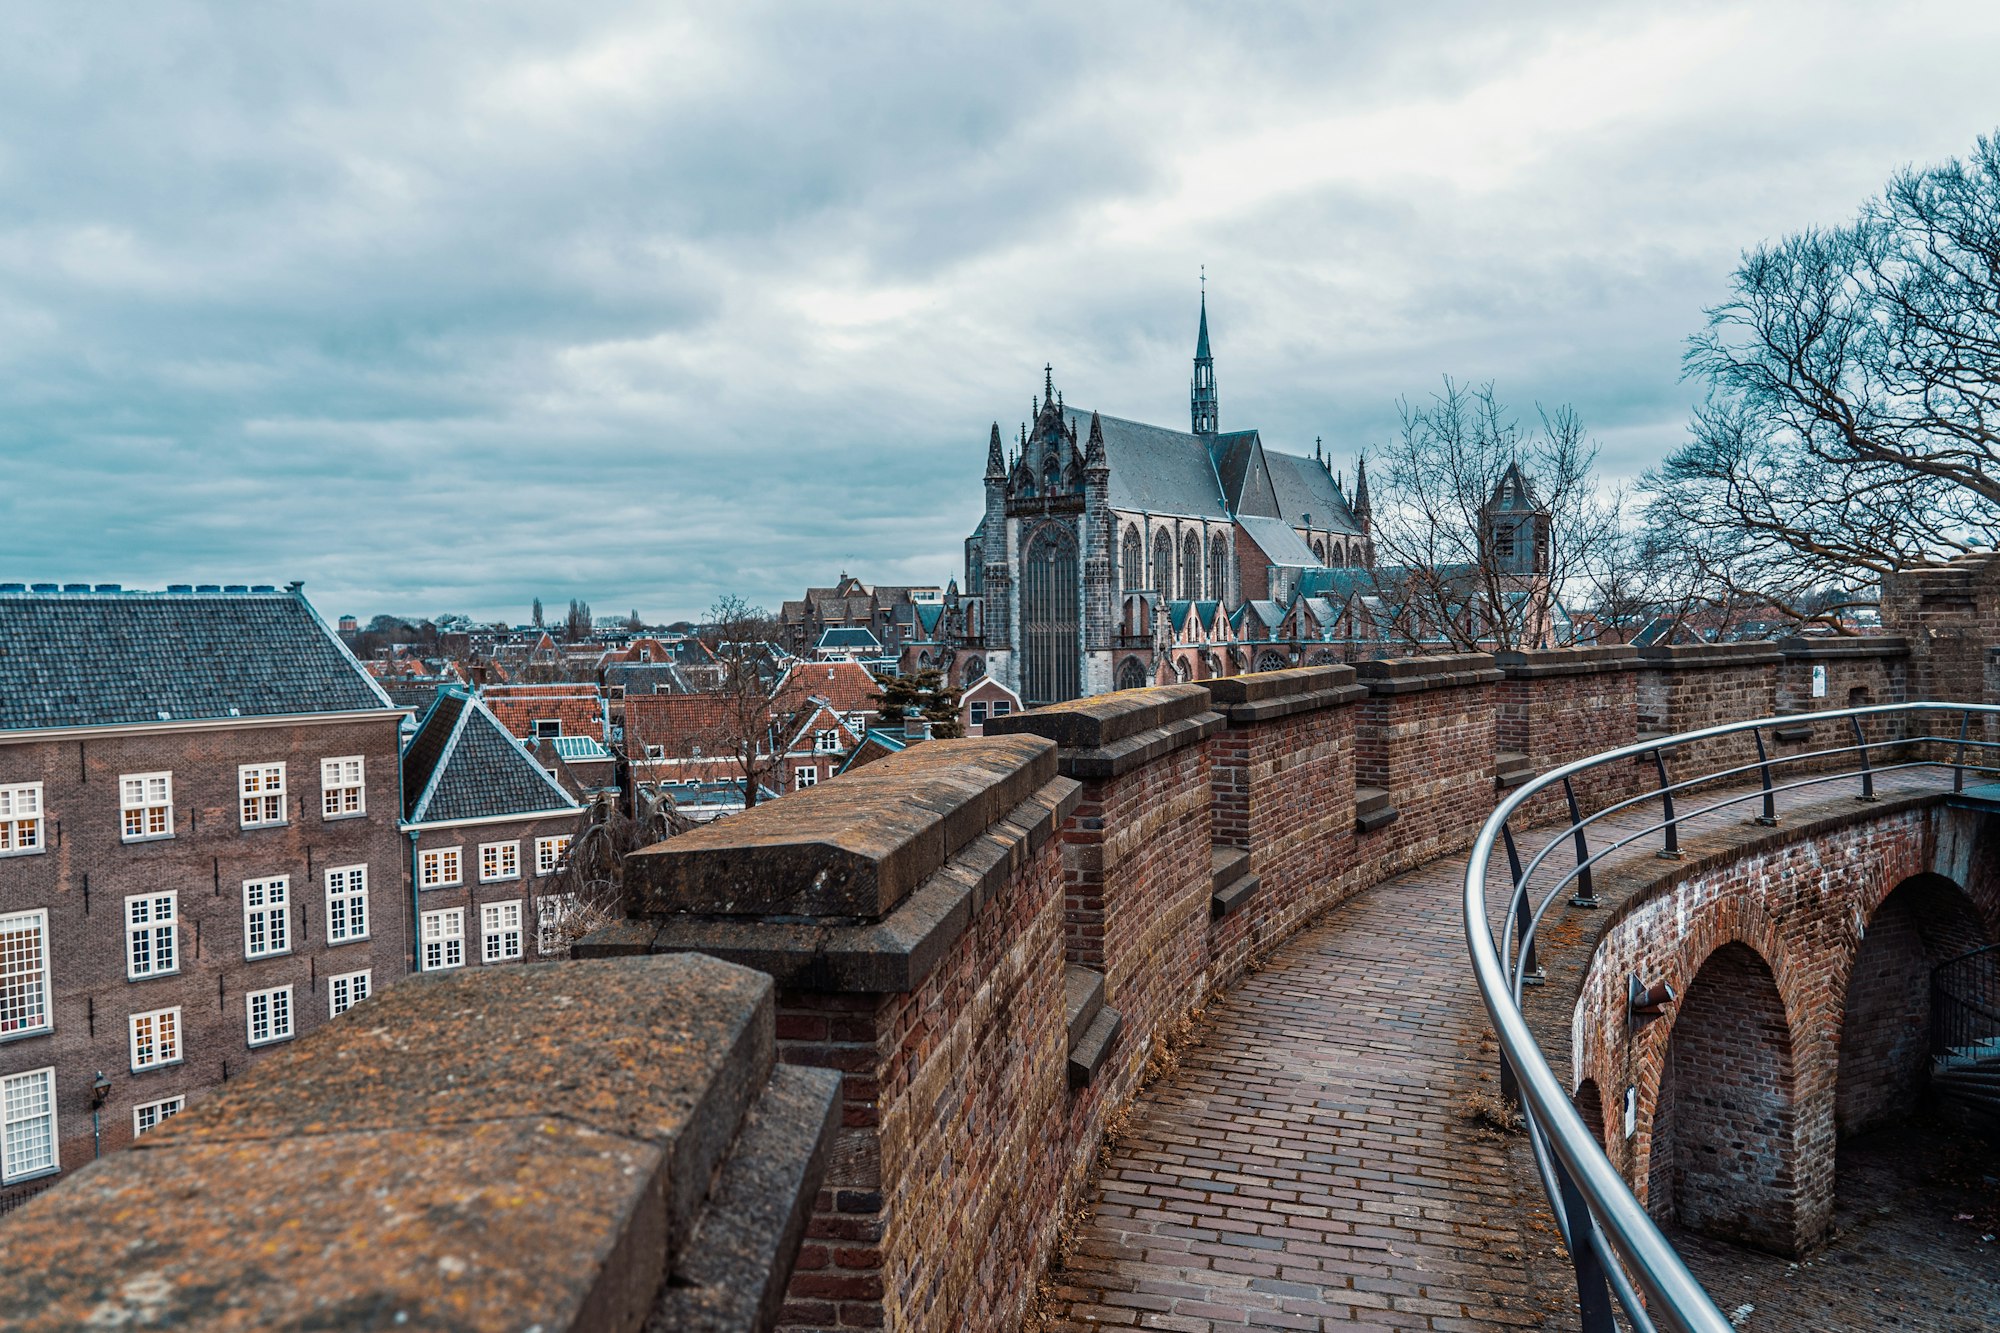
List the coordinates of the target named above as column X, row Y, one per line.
column 1725, row 1122
column 1590, row 1105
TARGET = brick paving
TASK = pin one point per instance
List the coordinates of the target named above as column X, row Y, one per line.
column 1311, row 1163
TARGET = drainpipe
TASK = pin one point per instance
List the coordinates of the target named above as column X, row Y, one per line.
column 416, row 911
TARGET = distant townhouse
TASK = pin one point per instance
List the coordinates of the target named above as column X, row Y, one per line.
column 488, row 827
column 199, row 854
column 544, row 712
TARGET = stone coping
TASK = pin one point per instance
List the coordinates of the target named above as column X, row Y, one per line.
column 1681, row 656
column 1265, row 695
column 1837, row 647
column 488, row 1149
column 1108, row 735
column 889, row 956
column 1546, row 662
column 1414, row 675
column 851, row 848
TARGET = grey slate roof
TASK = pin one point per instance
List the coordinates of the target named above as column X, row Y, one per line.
column 1279, row 542
column 1156, row 470
column 462, row 764
column 1304, row 487
column 108, row 659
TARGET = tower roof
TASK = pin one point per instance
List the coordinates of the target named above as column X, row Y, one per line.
column 1201, row 352
column 1514, row 493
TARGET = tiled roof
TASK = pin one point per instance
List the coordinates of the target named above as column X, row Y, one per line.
column 579, row 707
column 848, row 686
column 462, row 764
column 106, row 659
column 677, row 722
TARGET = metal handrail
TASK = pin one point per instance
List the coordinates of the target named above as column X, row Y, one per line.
column 1622, row 1250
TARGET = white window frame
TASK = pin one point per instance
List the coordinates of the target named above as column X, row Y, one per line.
column 261, row 795
column 37, row 999
column 11, row 1168
column 507, row 861
column 442, row 935
column 500, row 931
column 1000, row 708
column 151, row 1115
column 827, row 741
column 277, row 1004
column 805, row 775
column 273, row 912
column 165, row 1040
column 432, row 864
column 152, row 804
column 22, row 817
column 978, row 712
column 550, row 909
column 348, row 989
column 343, row 787
column 549, row 853
column 545, row 729
column 346, row 904
column 152, row 926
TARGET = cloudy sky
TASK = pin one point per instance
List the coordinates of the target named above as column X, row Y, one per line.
column 442, row 307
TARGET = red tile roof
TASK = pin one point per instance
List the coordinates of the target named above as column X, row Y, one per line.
column 578, row 707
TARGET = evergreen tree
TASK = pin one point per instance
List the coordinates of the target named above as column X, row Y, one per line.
column 925, row 691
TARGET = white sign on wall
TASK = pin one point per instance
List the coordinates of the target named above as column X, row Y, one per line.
column 1819, row 680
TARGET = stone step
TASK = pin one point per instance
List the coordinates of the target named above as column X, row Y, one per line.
column 1083, row 996
column 1232, row 883
column 1372, row 809
column 1088, row 1056
column 1511, row 769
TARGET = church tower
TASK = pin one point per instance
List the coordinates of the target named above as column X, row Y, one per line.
column 1202, row 403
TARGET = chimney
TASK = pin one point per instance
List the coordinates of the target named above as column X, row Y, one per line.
column 916, row 727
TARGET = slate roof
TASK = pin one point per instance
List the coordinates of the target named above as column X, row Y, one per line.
column 463, row 764
column 849, row 638
column 1156, row 470
column 1304, row 487
column 78, row 659
column 1279, row 542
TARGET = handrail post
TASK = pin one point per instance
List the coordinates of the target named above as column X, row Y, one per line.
column 1672, row 851
column 1867, row 773
column 1593, row 1297
column 1531, row 970
column 1586, row 893
column 1770, row 815
column 1958, row 760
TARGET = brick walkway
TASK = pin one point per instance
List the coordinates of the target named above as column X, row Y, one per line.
column 1311, row 1164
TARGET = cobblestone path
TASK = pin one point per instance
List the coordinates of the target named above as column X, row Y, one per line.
column 1311, row 1164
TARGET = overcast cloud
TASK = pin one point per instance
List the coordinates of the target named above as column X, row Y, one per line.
column 445, row 307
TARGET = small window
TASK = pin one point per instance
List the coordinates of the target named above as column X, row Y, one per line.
column 345, row 991
column 439, row 869
column 268, row 1015
column 498, row 861
column 28, row 1125
column 547, row 728
column 151, row 1114
column 152, row 924
column 826, row 742
column 341, row 788
column 554, row 914
column 156, row 1039
column 500, row 932
column 267, row 917
column 805, row 775
column 261, row 792
column 978, row 714
column 443, row 937
column 24, row 973
column 20, row 819
column 146, row 805
column 346, row 904
column 549, row 854
column 656, row 752
column 1001, row 708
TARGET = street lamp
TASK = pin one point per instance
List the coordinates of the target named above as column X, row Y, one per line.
column 100, row 1088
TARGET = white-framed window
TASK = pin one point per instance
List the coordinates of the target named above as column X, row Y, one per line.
column 805, row 775
column 500, row 931
column 978, row 713
column 552, row 912
column 1001, row 708
column 340, row 787
column 152, row 933
column 28, row 1125
column 440, row 868
column 346, row 904
column 268, row 1014
column 261, row 792
column 499, row 860
column 267, row 905
column 549, row 853
column 156, row 1038
column 24, row 973
column 548, row 728
column 826, row 742
column 443, row 936
column 146, row 805
column 656, row 753
column 21, row 819
column 151, row 1114
column 856, row 722
column 345, row 991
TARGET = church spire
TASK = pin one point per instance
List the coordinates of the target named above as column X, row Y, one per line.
column 996, row 463
column 1203, row 407
column 1361, row 488
column 1093, row 452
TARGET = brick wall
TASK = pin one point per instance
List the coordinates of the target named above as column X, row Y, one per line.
column 1688, row 687
column 1554, row 707
column 1426, row 737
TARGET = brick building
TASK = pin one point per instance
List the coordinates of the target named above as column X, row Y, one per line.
column 486, row 825
column 199, row 856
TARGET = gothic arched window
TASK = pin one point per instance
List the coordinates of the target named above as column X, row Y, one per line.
column 974, row 669
column 1134, row 561
column 1131, row 674
column 1052, row 476
column 1163, row 564
column 1190, row 567
column 1218, row 568
column 1319, row 551
column 1272, row 661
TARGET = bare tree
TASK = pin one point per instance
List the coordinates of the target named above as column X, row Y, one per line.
column 1852, row 424
column 577, row 625
column 756, row 706
column 1448, row 572
column 588, row 891
column 536, row 613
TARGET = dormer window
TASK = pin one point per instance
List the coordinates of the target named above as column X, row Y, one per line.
column 547, row 728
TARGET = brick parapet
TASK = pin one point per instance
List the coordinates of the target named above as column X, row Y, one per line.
column 1425, row 737
column 1689, row 687
column 1561, row 705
